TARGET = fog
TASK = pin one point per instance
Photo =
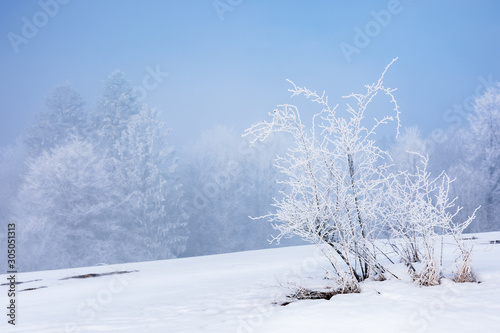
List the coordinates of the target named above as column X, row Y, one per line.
column 122, row 120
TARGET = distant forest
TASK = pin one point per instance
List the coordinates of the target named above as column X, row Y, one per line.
column 101, row 184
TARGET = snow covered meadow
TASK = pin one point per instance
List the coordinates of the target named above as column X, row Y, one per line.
column 242, row 292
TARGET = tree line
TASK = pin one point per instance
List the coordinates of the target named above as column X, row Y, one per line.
column 103, row 185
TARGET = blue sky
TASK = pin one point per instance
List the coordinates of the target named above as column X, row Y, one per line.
column 232, row 71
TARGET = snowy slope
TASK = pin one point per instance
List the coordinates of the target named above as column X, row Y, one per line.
column 235, row 293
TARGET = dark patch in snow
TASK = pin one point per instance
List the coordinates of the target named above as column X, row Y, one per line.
column 495, row 241
column 29, row 289
column 92, row 275
column 20, row 282
column 303, row 294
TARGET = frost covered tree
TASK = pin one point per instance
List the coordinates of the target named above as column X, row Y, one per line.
column 113, row 111
column 146, row 166
column 63, row 208
column 109, row 184
column 454, row 155
column 335, row 178
column 225, row 182
column 472, row 155
column 134, row 137
column 485, row 150
column 64, row 118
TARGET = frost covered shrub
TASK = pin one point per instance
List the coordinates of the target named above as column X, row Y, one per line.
column 340, row 193
column 422, row 214
column 336, row 178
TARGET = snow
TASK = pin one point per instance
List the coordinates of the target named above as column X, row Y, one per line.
column 235, row 293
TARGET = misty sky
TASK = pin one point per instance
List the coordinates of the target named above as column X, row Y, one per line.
column 229, row 67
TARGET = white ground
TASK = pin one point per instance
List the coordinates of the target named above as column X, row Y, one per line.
column 235, row 292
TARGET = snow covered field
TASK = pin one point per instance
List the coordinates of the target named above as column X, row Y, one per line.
column 237, row 293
